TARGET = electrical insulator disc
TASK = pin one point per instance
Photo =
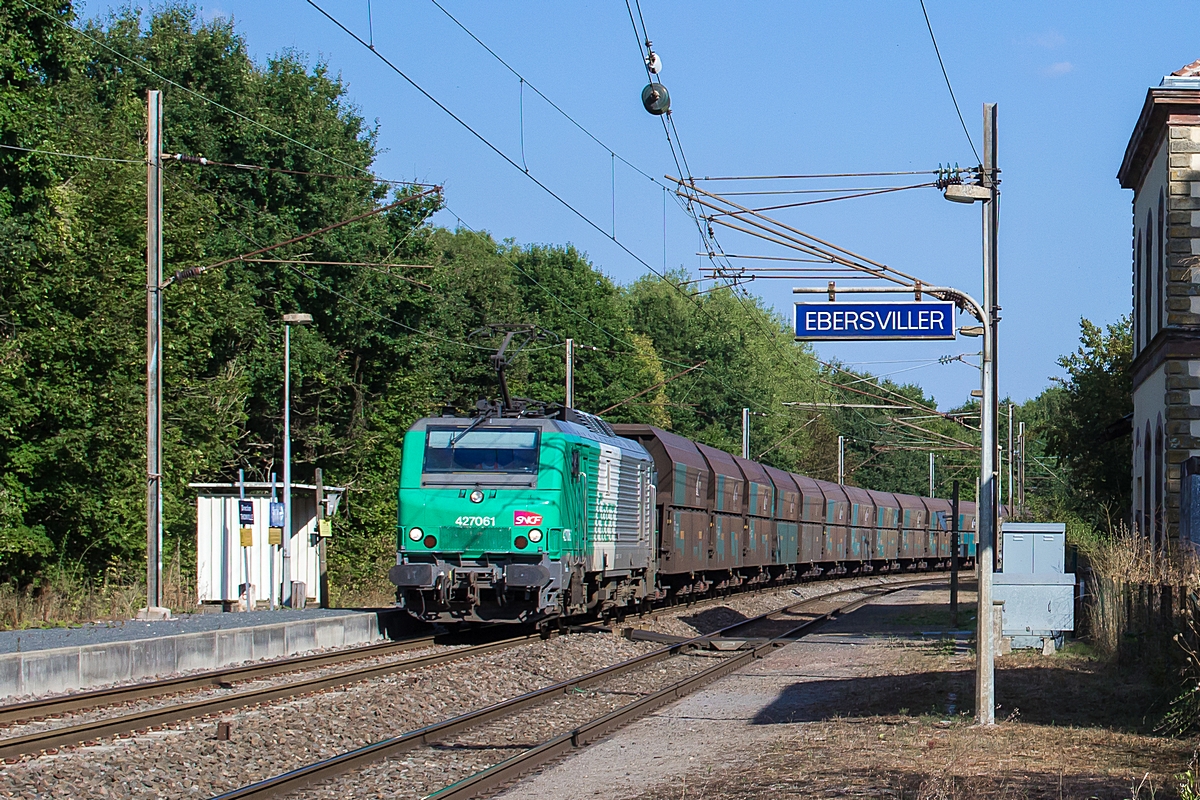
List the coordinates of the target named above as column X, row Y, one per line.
column 656, row 99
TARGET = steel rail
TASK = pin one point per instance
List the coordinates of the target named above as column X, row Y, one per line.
column 36, row 710
column 51, row 706
column 294, row 780
column 503, row 773
column 15, row 746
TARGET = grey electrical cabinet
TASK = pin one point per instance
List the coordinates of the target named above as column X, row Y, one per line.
column 1037, row 592
column 1034, row 548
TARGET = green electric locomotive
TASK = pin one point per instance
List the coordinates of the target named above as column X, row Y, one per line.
column 522, row 518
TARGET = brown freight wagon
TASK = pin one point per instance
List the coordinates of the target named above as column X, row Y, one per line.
column 939, row 527
column 727, row 495
column 788, row 507
column 912, row 527
column 760, row 511
column 837, row 521
column 887, row 510
column 812, row 520
column 862, row 524
column 684, row 489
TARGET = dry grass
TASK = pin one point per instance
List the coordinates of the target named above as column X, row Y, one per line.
column 1072, row 728
column 363, row 597
column 67, row 600
column 1127, row 557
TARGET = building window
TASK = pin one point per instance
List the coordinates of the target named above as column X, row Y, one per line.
column 1139, row 295
column 1162, row 261
column 1146, row 484
column 1151, row 296
column 1160, row 480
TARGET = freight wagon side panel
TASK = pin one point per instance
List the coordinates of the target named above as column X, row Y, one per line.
column 812, row 525
column 862, row 524
column 887, row 525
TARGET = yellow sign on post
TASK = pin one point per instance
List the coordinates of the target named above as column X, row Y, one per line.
column 275, row 536
column 247, row 537
column 325, row 528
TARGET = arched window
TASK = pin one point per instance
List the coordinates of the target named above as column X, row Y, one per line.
column 1146, row 478
column 1160, row 478
column 1139, row 481
column 1139, row 295
column 1150, row 326
column 1162, row 261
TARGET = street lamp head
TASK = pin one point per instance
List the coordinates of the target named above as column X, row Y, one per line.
column 297, row 319
column 971, row 330
column 966, row 193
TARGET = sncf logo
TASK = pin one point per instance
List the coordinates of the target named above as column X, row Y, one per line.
column 526, row 518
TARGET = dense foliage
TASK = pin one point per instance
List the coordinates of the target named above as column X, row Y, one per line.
column 390, row 341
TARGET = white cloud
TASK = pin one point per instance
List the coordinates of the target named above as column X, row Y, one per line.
column 1049, row 40
column 1059, row 68
column 211, row 13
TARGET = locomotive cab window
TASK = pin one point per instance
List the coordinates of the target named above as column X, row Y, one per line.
column 492, row 451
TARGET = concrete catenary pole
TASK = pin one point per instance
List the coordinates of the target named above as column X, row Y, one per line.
column 570, row 373
column 985, row 683
column 745, row 433
column 1021, row 474
column 931, row 484
column 154, row 305
column 841, row 460
column 1011, row 407
column 286, row 540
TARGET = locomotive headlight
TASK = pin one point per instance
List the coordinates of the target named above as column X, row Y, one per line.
column 476, row 496
column 415, row 534
column 535, row 535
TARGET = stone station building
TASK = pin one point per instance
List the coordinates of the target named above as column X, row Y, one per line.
column 1162, row 167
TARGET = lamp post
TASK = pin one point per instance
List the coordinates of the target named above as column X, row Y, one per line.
column 985, row 683
column 288, row 321
column 988, row 192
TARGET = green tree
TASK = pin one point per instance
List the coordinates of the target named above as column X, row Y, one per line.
column 749, row 360
column 1095, row 395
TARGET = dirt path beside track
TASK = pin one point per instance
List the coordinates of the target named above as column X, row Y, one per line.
column 878, row 704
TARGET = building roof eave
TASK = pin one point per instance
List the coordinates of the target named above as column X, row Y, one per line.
column 1161, row 103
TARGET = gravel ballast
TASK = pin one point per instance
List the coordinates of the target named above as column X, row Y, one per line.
column 187, row 759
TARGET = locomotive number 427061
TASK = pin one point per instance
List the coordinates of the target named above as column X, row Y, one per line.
column 475, row 522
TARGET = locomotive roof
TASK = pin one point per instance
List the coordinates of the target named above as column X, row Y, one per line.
column 626, row 446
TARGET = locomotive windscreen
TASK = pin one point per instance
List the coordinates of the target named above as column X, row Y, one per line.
column 491, row 450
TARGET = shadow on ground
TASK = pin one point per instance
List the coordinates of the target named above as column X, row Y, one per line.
column 1069, row 692
column 712, row 619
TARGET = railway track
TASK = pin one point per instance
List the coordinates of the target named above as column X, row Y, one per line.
column 149, row 719
column 820, row 609
column 54, row 707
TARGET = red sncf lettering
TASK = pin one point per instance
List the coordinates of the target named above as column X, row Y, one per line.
column 526, row 518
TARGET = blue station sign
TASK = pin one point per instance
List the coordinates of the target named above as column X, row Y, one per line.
column 825, row 321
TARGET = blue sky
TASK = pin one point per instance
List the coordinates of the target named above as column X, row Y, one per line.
column 769, row 88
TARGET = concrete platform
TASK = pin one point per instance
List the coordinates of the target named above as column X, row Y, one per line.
column 55, row 661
